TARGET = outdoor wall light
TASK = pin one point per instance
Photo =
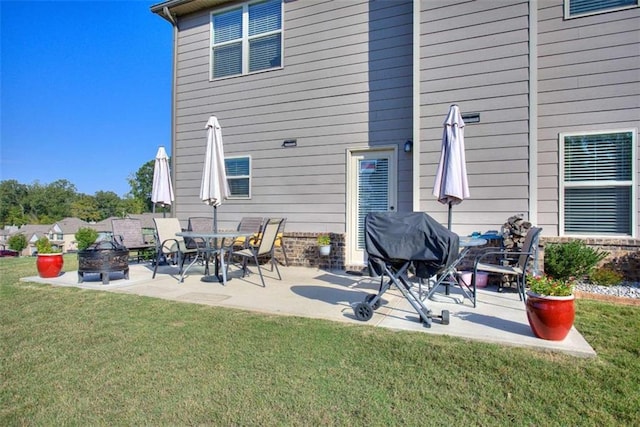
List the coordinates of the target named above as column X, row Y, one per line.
column 408, row 146
column 471, row 118
column 289, row 143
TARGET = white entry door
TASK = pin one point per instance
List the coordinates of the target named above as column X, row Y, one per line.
column 371, row 178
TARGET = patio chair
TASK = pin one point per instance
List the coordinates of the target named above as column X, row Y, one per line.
column 128, row 233
column 169, row 243
column 521, row 258
column 265, row 247
column 198, row 223
column 248, row 224
column 279, row 244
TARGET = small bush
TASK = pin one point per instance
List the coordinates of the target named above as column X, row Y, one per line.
column 571, row 259
column 85, row 237
column 605, row 277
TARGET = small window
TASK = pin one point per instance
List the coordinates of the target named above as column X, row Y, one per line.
column 239, row 176
column 575, row 8
column 246, row 39
column 597, row 183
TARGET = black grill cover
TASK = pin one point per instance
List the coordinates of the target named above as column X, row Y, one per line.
column 397, row 237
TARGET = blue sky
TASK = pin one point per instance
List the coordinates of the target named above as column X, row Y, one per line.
column 85, row 91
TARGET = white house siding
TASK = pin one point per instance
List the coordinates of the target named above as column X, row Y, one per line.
column 589, row 79
column 476, row 54
column 345, row 83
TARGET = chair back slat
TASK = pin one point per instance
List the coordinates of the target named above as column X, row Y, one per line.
column 250, row 224
column 269, row 235
column 200, row 223
column 166, row 229
column 128, row 232
column 530, row 245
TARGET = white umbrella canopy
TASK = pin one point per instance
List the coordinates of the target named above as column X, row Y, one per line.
column 451, row 185
column 162, row 190
column 214, row 187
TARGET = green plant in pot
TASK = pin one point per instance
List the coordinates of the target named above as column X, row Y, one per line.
column 85, row 237
column 49, row 261
column 549, row 306
column 324, row 244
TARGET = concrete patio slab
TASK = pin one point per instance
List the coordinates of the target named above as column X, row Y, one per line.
column 498, row 318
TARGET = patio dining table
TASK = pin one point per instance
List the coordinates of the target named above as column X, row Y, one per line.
column 212, row 246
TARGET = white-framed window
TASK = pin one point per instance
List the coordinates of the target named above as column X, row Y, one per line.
column 238, row 171
column 598, row 183
column 577, row 8
column 246, row 39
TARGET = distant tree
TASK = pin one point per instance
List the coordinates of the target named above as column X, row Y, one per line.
column 52, row 202
column 17, row 242
column 131, row 205
column 142, row 184
column 13, row 196
column 85, row 207
column 108, row 204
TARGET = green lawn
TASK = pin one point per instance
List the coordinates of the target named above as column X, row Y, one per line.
column 82, row 357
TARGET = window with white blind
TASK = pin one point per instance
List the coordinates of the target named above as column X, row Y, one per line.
column 576, row 8
column 238, row 171
column 597, row 194
column 246, row 39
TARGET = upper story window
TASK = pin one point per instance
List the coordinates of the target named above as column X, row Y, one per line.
column 238, row 171
column 575, row 8
column 246, row 39
column 597, row 176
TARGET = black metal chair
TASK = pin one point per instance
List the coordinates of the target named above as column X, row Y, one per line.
column 521, row 258
column 265, row 247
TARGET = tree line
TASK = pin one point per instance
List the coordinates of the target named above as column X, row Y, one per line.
column 47, row 203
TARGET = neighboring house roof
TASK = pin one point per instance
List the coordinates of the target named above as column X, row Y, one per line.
column 34, row 231
column 71, row 225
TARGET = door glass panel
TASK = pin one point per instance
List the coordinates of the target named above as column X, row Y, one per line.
column 373, row 191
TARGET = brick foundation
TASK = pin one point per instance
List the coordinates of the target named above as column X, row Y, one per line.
column 302, row 250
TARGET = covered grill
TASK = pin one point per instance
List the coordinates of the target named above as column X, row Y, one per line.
column 398, row 242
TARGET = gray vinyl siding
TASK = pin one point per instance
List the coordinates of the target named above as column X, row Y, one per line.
column 345, row 83
column 589, row 79
column 475, row 54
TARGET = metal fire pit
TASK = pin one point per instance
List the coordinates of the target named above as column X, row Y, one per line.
column 103, row 258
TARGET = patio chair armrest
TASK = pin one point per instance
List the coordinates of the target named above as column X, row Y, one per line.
column 164, row 242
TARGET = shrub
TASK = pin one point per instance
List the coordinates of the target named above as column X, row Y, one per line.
column 85, row 237
column 605, row 277
column 571, row 259
column 43, row 245
column 17, row 242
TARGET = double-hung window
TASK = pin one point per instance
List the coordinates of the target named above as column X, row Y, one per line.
column 246, row 39
column 576, row 8
column 598, row 182
column 238, row 171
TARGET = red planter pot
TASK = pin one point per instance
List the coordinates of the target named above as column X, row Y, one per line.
column 49, row 265
column 550, row 318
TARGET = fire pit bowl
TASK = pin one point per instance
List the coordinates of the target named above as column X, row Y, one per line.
column 103, row 258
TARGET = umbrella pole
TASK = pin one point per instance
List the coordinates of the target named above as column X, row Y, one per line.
column 449, row 218
column 215, row 241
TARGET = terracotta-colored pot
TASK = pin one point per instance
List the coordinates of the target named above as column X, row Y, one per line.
column 49, row 265
column 550, row 318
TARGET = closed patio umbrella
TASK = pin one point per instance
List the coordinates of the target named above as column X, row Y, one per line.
column 162, row 190
column 451, row 186
column 214, row 187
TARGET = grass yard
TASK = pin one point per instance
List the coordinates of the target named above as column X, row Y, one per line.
column 81, row 357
